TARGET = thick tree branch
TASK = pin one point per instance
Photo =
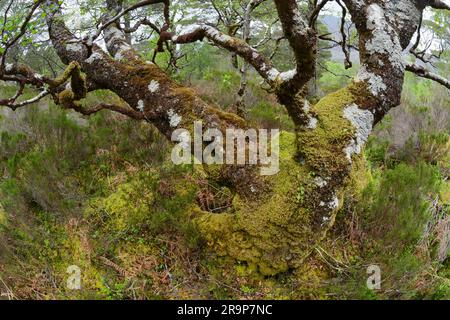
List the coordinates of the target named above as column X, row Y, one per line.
column 302, row 39
column 12, row 105
column 438, row 4
column 261, row 64
column 424, row 73
column 316, row 12
column 114, row 107
column 22, row 73
column 149, row 91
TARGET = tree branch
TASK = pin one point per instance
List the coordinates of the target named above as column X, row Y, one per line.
column 424, row 73
column 316, row 12
column 125, row 110
column 261, row 64
column 438, row 4
column 302, row 39
column 123, row 12
column 347, row 62
column 145, row 22
column 22, row 30
column 14, row 106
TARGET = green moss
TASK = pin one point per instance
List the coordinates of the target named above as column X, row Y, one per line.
column 360, row 176
column 3, row 218
column 78, row 80
column 78, row 87
column 187, row 95
column 214, row 171
column 229, row 118
column 270, row 234
column 121, row 212
column 323, row 147
column 142, row 203
column 361, row 92
column 66, row 97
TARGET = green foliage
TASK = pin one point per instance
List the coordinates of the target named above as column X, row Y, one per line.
column 393, row 223
column 377, row 151
column 138, row 209
column 417, row 131
column 398, row 204
column 335, row 77
column 271, row 116
column 400, row 215
column 227, row 81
